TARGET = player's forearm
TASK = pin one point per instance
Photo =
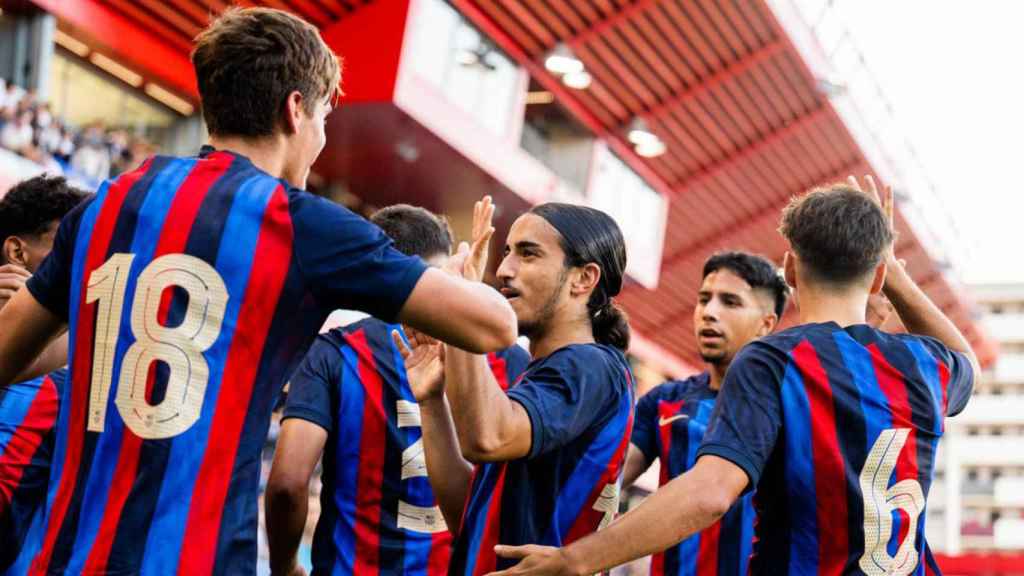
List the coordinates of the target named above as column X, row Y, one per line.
column 286, row 519
column 25, row 329
column 481, row 410
column 53, row 357
column 449, row 473
column 921, row 316
column 676, row 511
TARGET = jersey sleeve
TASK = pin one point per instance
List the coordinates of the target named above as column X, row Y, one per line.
column 348, row 262
column 51, row 284
column 645, row 425
column 959, row 375
column 748, row 415
column 565, row 396
column 313, row 388
column 509, row 364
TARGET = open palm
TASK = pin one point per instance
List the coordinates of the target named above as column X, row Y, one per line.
column 424, row 363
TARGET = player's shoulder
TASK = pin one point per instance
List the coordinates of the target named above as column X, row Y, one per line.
column 369, row 332
column 672, row 390
column 601, row 361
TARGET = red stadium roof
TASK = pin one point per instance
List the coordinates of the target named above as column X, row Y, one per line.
column 718, row 80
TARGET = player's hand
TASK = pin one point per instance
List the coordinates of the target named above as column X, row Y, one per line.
column 534, row 560
column 885, row 200
column 483, row 214
column 424, row 363
column 457, row 264
column 12, row 278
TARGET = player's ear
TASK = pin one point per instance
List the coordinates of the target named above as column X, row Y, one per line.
column 293, row 112
column 14, row 251
column 585, row 279
column 768, row 322
column 878, row 281
column 789, row 268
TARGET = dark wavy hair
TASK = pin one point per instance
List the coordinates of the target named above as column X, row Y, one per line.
column 589, row 235
column 756, row 271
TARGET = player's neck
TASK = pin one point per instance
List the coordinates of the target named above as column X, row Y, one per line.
column 716, row 372
column 559, row 335
column 844, row 308
column 267, row 154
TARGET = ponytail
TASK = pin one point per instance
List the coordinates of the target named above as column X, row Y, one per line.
column 611, row 325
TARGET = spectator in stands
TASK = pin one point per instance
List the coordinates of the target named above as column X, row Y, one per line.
column 92, row 158
column 17, row 134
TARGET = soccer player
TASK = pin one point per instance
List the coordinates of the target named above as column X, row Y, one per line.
column 29, row 215
column 741, row 298
column 835, row 423
column 549, row 452
column 350, row 394
column 192, row 286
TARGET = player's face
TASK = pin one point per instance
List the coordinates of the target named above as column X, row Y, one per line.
column 532, row 276
column 728, row 315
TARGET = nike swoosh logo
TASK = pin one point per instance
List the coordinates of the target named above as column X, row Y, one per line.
column 663, row 421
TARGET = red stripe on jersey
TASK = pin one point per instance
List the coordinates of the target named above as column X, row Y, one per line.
column 440, row 553
column 665, row 410
column 894, row 387
column 943, row 383
column 590, row 518
column 34, row 427
column 829, row 469
column 271, row 262
column 500, row 369
column 371, row 460
column 173, row 237
column 707, row 555
column 99, row 243
column 487, row 561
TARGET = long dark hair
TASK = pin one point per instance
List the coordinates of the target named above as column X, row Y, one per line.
column 589, row 235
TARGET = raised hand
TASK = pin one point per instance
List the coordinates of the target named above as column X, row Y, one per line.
column 885, row 200
column 12, row 278
column 476, row 264
column 424, row 363
column 534, row 561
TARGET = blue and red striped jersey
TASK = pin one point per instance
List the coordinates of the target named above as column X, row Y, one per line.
column 28, row 412
column 837, row 428
column 669, row 426
column 378, row 511
column 580, row 403
column 192, row 287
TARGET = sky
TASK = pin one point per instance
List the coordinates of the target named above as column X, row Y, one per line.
column 952, row 71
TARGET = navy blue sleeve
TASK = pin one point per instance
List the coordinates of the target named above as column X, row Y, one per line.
column 313, row 389
column 51, row 284
column 645, row 425
column 959, row 375
column 748, row 415
column 516, row 360
column 348, row 262
column 569, row 392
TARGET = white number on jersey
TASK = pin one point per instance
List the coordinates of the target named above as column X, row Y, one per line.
column 880, row 500
column 428, row 520
column 180, row 347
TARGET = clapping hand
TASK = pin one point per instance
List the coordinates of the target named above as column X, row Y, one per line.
column 424, row 363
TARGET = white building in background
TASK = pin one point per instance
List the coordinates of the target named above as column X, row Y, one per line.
column 977, row 500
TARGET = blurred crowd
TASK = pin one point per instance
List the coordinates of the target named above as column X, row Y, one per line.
column 93, row 152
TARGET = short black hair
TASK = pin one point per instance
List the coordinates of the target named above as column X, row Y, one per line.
column 757, row 271
column 838, row 232
column 31, row 206
column 415, row 231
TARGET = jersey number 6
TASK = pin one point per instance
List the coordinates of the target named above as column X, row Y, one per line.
column 180, row 347
column 881, row 500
